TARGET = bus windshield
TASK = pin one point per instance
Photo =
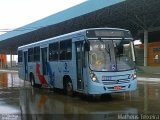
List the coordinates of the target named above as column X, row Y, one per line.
column 111, row 55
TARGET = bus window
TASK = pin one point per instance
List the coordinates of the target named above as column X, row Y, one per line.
column 53, row 51
column 125, row 56
column 36, row 54
column 99, row 55
column 20, row 56
column 104, row 54
column 66, row 50
column 62, row 50
column 30, row 54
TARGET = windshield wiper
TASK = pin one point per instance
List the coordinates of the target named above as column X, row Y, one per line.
column 107, row 48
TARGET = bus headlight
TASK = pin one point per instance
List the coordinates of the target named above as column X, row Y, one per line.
column 93, row 77
column 134, row 75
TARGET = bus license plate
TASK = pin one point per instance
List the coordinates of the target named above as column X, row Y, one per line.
column 117, row 87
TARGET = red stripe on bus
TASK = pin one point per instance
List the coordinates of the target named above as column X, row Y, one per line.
column 40, row 76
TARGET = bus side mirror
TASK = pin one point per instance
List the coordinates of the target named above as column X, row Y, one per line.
column 87, row 46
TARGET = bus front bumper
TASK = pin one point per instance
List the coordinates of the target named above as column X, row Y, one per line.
column 98, row 88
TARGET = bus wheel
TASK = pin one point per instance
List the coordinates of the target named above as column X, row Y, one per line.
column 32, row 80
column 69, row 88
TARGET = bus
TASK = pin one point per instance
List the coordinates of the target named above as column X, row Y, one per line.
column 93, row 61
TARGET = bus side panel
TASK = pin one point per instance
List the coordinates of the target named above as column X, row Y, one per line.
column 21, row 70
column 67, row 68
column 74, row 67
column 23, row 66
column 53, row 74
column 32, row 70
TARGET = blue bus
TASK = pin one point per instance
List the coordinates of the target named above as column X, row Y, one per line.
column 92, row 61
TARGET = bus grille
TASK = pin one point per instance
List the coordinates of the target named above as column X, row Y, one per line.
column 121, row 79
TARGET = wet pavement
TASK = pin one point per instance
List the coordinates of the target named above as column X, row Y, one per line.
column 18, row 100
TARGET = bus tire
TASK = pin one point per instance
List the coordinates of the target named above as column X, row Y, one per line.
column 32, row 80
column 68, row 87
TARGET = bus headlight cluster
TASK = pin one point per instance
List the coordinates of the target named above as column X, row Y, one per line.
column 93, row 76
column 134, row 75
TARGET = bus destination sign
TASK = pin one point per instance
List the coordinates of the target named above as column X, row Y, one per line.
column 107, row 33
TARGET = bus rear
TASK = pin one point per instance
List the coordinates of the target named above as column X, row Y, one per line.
column 111, row 61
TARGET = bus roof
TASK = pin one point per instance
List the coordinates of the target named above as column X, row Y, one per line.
column 67, row 36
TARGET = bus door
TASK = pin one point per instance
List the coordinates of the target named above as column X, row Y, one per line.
column 25, row 65
column 79, row 65
column 44, row 60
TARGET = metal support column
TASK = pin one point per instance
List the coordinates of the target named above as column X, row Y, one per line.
column 11, row 59
column 145, row 47
column 1, row 62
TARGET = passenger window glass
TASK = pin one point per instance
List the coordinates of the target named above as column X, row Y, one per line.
column 66, row 50
column 53, row 51
column 30, row 55
column 20, row 56
column 37, row 54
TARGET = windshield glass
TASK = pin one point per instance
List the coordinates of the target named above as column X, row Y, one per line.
column 125, row 56
column 111, row 55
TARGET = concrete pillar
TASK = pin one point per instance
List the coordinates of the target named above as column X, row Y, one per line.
column 0, row 61
column 145, row 47
column 11, row 59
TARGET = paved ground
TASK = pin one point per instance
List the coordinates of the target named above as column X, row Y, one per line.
column 19, row 101
column 148, row 75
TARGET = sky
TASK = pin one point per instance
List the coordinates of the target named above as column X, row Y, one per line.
column 17, row 13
